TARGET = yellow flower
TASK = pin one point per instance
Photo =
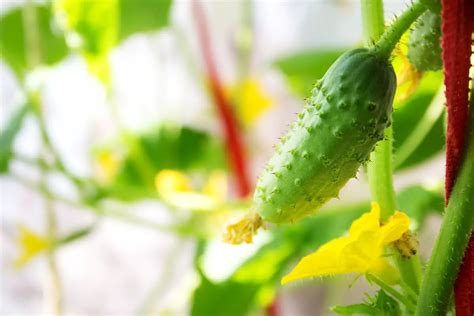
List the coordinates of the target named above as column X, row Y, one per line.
column 360, row 252
column 408, row 78
column 107, row 165
column 31, row 244
column 175, row 189
column 251, row 100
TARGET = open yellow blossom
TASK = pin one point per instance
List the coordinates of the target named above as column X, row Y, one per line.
column 175, row 188
column 31, row 244
column 251, row 100
column 362, row 251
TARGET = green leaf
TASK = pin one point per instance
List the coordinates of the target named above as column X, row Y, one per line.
column 418, row 202
column 223, row 299
column 169, row 146
column 12, row 39
column 386, row 305
column 358, row 309
column 303, row 69
column 406, row 118
column 382, row 305
column 76, row 235
column 142, row 16
column 94, row 26
column 8, row 135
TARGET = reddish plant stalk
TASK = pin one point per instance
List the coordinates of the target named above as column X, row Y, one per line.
column 229, row 123
column 457, row 29
column 223, row 105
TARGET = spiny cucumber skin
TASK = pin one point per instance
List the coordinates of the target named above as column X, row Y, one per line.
column 424, row 48
column 334, row 134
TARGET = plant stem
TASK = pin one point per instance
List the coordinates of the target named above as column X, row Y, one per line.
column 233, row 138
column 380, row 167
column 380, row 176
column 33, row 57
column 55, row 279
column 452, row 239
column 372, row 20
column 392, row 35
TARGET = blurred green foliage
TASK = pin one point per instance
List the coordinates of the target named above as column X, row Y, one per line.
column 303, row 69
column 7, row 136
column 169, row 146
column 52, row 45
column 95, row 22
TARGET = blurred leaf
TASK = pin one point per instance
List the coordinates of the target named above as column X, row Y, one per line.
column 407, row 116
column 383, row 305
column 358, row 309
column 303, row 69
column 7, row 136
column 169, row 147
column 76, row 235
column 226, row 299
column 418, row 202
column 142, row 16
column 92, row 26
column 12, row 39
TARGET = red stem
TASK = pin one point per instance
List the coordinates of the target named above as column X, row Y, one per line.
column 223, row 105
column 457, row 29
column 229, row 123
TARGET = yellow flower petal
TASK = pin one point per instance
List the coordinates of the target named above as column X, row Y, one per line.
column 396, row 226
column 31, row 244
column 251, row 100
column 367, row 222
column 168, row 182
column 383, row 270
column 361, row 251
column 216, row 186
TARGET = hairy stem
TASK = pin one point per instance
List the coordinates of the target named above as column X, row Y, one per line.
column 452, row 240
column 392, row 35
column 380, row 168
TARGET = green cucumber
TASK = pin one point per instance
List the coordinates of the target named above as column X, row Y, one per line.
column 334, row 134
column 424, row 48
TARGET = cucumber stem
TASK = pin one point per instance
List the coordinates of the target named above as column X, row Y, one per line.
column 392, row 35
column 458, row 222
column 380, row 168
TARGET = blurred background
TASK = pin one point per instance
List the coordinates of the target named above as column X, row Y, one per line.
column 116, row 173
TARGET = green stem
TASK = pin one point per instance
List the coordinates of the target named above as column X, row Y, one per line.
column 380, row 176
column 453, row 237
column 372, row 20
column 392, row 36
column 424, row 126
column 380, row 168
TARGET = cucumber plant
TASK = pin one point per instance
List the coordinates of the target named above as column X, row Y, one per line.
column 424, row 48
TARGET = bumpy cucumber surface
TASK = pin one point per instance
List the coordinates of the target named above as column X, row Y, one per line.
column 424, row 48
column 333, row 135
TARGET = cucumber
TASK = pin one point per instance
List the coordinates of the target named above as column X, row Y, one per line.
column 424, row 47
column 334, row 134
